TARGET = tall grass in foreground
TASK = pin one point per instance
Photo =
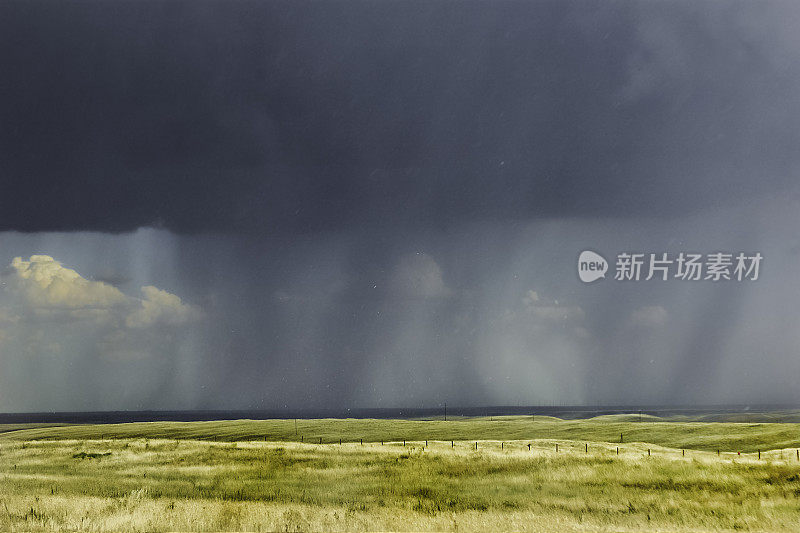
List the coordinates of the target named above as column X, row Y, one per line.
column 161, row 485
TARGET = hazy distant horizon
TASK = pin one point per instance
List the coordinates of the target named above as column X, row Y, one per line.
column 567, row 412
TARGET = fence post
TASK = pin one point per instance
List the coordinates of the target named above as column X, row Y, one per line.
column 556, row 447
column 501, row 445
column 587, row 447
column 452, row 444
column 476, row 445
column 759, row 454
column 529, row 447
column 683, row 453
column 362, row 442
column 617, row 450
column 320, row 440
column 648, row 452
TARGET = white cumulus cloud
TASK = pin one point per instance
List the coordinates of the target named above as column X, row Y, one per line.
column 46, row 284
column 46, row 307
column 160, row 307
column 42, row 284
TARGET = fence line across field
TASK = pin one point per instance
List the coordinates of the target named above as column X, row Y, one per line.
column 601, row 446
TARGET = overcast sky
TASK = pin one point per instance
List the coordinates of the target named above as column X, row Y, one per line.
column 381, row 204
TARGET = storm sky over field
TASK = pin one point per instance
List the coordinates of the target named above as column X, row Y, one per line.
column 381, row 204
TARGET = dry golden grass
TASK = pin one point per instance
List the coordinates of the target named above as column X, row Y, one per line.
column 169, row 485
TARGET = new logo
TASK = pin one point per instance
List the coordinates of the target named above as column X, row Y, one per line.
column 591, row 266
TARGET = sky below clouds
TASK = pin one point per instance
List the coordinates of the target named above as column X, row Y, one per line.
column 355, row 204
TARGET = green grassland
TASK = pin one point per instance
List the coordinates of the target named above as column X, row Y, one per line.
column 666, row 475
column 16, row 427
column 678, row 432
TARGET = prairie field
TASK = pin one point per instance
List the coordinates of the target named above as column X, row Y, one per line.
column 612, row 473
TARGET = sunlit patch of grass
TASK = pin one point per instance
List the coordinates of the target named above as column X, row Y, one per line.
column 674, row 432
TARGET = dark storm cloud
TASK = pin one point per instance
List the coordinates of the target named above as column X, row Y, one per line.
column 287, row 117
column 381, row 203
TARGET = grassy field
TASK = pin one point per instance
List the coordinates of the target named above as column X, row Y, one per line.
column 203, row 476
column 679, row 432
